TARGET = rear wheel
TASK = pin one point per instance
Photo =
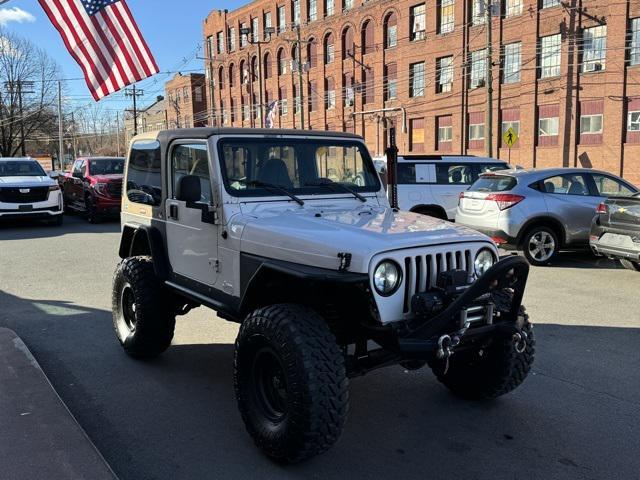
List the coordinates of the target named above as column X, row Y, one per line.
column 290, row 382
column 630, row 264
column 540, row 245
column 143, row 314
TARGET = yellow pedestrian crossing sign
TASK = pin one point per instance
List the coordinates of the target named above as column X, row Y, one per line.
column 510, row 137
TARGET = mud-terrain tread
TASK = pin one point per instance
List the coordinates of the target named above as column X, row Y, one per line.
column 631, row 265
column 498, row 372
column 319, row 389
column 155, row 318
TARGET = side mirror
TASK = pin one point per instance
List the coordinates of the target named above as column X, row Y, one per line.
column 188, row 189
column 77, row 175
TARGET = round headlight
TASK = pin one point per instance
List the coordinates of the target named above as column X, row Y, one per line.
column 386, row 277
column 484, row 261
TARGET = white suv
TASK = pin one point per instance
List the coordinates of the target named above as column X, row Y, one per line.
column 27, row 191
column 431, row 184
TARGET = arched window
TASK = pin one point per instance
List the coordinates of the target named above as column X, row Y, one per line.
column 328, row 48
column 312, row 53
column 233, row 110
column 366, row 39
column 231, row 75
column 348, row 47
column 390, row 30
column 282, row 65
column 244, row 78
column 329, row 93
column 221, row 78
column 254, row 69
column 294, row 53
column 267, row 65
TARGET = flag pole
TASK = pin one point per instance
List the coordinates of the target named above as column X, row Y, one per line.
column 60, row 130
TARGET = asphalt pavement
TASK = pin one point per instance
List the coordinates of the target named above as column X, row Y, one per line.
column 577, row 416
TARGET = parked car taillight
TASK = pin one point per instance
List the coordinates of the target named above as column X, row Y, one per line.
column 602, row 208
column 460, row 197
column 505, row 200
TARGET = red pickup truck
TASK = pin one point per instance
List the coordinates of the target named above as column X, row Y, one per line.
column 93, row 186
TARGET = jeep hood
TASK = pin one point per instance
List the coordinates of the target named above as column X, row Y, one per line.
column 314, row 235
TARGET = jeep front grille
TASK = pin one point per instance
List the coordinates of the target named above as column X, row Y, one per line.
column 421, row 271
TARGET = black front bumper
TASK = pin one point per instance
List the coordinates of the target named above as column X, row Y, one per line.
column 498, row 294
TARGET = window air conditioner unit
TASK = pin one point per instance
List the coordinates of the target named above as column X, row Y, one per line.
column 480, row 83
column 593, row 67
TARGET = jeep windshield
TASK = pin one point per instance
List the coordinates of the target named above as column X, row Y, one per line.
column 21, row 169
column 106, row 166
column 300, row 166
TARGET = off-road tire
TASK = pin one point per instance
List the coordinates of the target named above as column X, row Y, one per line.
column 631, row 265
column 146, row 329
column 526, row 239
column 490, row 372
column 311, row 366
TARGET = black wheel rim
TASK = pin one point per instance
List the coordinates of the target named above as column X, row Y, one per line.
column 269, row 384
column 128, row 307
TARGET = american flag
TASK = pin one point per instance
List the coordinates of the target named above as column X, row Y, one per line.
column 104, row 39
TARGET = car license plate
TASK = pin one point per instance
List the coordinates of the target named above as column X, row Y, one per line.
column 25, row 208
column 472, row 204
column 616, row 240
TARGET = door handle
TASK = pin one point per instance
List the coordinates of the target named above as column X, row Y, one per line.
column 173, row 212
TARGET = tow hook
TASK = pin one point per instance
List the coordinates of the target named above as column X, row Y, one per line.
column 447, row 345
column 520, row 341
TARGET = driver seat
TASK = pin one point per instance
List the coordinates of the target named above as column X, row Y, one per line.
column 275, row 171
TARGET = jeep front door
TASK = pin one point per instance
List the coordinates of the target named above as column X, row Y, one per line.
column 192, row 235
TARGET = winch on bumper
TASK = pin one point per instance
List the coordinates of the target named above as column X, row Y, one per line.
column 456, row 314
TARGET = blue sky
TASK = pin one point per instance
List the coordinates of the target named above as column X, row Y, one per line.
column 172, row 29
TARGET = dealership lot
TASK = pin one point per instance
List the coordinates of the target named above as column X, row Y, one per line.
column 575, row 417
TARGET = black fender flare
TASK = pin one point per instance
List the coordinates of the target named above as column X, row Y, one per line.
column 145, row 240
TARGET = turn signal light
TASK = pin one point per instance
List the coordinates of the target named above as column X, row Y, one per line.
column 505, row 200
column 602, row 208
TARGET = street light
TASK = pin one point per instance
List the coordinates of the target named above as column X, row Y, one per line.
column 268, row 31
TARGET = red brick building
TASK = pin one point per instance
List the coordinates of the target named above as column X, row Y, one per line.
column 186, row 101
column 566, row 75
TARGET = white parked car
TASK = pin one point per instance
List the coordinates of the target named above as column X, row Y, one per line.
column 432, row 184
column 27, row 191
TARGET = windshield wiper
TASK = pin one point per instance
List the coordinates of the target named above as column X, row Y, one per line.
column 273, row 187
column 331, row 184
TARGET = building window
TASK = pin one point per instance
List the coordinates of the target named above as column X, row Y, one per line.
column 255, row 29
column 368, row 90
column 550, row 56
column 476, row 132
column 231, row 38
column 635, row 42
column 220, row 78
column 367, row 37
column 511, row 63
column 295, row 12
column 348, row 5
column 390, row 85
column 444, row 74
column 347, row 44
column 282, row 19
column 550, row 3
column 210, row 51
column 349, row 97
column 243, row 36
column 390, row 31
column 477, row 12
column 197, row 94
column 416, row 135
column 548, row 127
column 312, row 56
column 312, row 95
column 329, row 53
column 590, row 124
column 478, row 68
column 231, row 75
column 418, row 21
column 633, row 122
column 594, row 48
column 267, row 24
column 245, row 112
column 329, row 7
column 312, row 10
column 512, row 8
column 446, row 16
column 416, row 79
column 266, row 65
column 330, row 94
column 220, row 42
column 282, row 101
column 282, row 64
column 445, row 132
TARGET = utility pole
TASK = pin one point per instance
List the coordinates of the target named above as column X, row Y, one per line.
column 75, row 141
column 60, row 129
column 300, row 80
column 133, row 92
column 489, row 114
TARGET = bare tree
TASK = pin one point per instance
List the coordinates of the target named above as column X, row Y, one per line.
column 28, row 92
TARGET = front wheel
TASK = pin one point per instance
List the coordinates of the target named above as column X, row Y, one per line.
column 290, row 382
column 143, row 317
column 91, row 210
column 540, row 245
column 630, row 264
column 489, row 372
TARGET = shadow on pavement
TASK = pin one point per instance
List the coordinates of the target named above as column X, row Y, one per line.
column 583, row 259
column 176, row 417
column 20, row 229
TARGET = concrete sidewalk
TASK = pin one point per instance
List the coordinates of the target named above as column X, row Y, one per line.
column 39, row 438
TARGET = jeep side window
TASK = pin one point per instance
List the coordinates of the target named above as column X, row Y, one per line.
column 448, row 174
column 144, row 184
column 191, row 160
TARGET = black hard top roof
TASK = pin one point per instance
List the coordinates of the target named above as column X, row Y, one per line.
column 206, row 132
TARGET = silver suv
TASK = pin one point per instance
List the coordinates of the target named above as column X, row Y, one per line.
column 538, row 211
column 290, row 234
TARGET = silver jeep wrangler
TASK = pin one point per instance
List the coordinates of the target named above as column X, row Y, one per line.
column 290, row 234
